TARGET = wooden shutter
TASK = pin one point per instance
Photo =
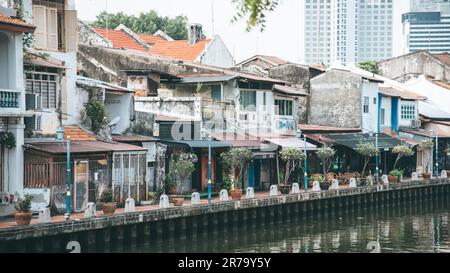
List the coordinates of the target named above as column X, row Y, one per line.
column 71, row 27
column 52, row 29
column 40, row 21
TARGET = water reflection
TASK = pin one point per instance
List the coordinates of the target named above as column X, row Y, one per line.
column 409, row 228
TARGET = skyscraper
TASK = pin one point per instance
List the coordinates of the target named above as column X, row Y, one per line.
column 427, row 26
column 347, row 30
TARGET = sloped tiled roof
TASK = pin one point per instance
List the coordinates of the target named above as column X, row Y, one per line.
column 151, row 39
column 120, row 39
column 180, row 49
column 14, row 22
column 77, row 134
column 443, row 57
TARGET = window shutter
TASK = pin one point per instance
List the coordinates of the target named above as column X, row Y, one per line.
column 71, row 26
column 40, row 21
column 52, row 29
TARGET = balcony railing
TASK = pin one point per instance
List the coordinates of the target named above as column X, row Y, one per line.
column 9, row 99
column 6, row 3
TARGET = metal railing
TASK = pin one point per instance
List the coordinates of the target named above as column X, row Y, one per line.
column 9, row 98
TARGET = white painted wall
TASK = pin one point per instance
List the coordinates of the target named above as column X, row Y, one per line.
column 407, row 122
column 11, row 70
column 217, row 54
column 386, row 104
column 119, row 105
column 436, row 95
column 370, row 119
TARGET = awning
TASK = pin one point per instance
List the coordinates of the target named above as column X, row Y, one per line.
column 100, row 84
column 385, row 141
column 292, row 142
column 263, row 155
column 290, row 90
column 83, row 147
column 198, row 143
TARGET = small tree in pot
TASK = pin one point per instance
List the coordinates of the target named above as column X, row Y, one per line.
column 402, row 151
column 235, row 161
column 107, row 200
column 291, row 157
column 367, row 150
column 23, row 214
column 427, row 144
column 325, row 155
column 184, row 166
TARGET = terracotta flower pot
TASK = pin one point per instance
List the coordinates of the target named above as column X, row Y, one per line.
column 109, row 208
column 178, row 201
column 23, row 218
column 426, row 175
column 236, row 194
column 392, row 179
column 285, row 189
column 448, row 174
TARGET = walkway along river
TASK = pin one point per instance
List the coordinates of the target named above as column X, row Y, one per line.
column 299, row 223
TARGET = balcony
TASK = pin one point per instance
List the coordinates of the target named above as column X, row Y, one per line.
column 7, row 8
column 9, row 100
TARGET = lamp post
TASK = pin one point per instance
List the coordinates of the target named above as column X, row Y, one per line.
column 299, row 136
column 209, row 170
column 68, row 195
column 434, row 134
column 209, row 183
column 377, row 168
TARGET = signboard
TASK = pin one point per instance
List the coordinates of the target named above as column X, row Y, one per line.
column 41, row 198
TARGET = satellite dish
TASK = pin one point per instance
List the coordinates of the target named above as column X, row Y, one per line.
column 114, row 121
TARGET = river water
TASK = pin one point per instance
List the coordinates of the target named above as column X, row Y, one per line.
column 410, row 228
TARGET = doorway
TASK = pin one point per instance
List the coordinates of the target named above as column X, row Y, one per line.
column 81, row 178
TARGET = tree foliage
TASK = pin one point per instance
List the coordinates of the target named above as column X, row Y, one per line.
column 255, row 11
column 325, row 154
column 148, row 22
column 370, row 66
column 96, row 112
column 291, row 156
column 235, row 161
column 367, row 150
column 402, row 151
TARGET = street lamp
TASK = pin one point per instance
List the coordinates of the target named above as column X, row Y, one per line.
column 434, row 134
column 299, row 136
column 377, row 167
column 68, row 195
column 209, row 183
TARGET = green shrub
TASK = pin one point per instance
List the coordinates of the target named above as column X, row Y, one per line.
column 106, row 196
column 24, row 205
column 397, row 173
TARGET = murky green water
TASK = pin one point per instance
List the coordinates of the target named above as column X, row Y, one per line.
column 423, row 227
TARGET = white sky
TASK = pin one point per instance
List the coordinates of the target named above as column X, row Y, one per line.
column 282, row 36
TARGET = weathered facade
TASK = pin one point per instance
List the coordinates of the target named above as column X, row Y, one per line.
column 414, row 64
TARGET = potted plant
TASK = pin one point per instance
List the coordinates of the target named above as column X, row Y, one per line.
column 151, row 198
column 235, row 162
column 367, row 150
column 23, row 214
column 325, row 155
column 183, row 166
column 292, row 157
column 395, row 176
column 108, row 204
column 427, row 144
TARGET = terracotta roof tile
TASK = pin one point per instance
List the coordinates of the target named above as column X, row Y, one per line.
column 26, row 27
column 443, row 57
column 180, row 50
column 151, row 39
column 77, row 134
column 120, row 39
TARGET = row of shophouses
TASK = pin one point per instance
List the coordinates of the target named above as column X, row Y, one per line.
column 163, row 96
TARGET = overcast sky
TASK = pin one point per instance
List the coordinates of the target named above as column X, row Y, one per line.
column 282, row 36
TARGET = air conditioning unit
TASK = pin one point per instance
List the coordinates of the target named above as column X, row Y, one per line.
column 33, row 123
column 416, row 124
